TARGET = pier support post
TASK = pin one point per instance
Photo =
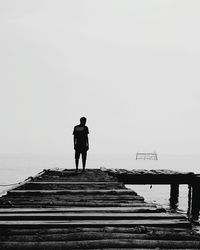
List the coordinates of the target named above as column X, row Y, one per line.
column 174, row 193
column 195, row 201
column 189, row 201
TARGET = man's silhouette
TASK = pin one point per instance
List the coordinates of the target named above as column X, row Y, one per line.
column 81, row 142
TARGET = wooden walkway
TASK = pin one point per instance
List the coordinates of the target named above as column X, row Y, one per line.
column 90, row 210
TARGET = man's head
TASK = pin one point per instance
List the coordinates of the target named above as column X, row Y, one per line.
column 83, row 121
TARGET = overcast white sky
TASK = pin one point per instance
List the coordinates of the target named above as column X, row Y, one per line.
column 131, row 67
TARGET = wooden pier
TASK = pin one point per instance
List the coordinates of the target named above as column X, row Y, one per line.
column 165, row 177
column 90, row 210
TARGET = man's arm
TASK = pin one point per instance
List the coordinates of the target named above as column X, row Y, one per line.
column 87, row 142
column 75, row 141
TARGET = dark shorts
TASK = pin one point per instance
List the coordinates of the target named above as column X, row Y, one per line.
column 80, row 152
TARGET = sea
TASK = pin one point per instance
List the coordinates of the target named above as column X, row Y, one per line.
column 17, row 168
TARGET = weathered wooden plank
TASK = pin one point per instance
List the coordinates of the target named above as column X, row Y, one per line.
column 56, row 186
column 119, row 229
column 76, row 204
column 59, row 179
column 75, row 236
column 49, row 194
column 110, row 243
column 67, row 198
column 47, row 223
column 74, row 179
column 75, row 198
column 85, row 191
column 156, row 172
column 91, row 215
column 84, row 209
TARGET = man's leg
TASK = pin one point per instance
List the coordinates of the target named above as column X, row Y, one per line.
column 77, row 155
column 84, row 157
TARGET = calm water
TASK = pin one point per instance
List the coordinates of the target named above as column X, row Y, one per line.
column 17, row 168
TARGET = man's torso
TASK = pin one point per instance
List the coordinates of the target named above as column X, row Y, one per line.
column 81, row 135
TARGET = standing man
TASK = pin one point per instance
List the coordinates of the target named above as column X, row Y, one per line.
column 81, row 143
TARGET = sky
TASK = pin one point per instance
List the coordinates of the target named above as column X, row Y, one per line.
column 131, row 67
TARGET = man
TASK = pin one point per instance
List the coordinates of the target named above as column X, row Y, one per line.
column 81, row 143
